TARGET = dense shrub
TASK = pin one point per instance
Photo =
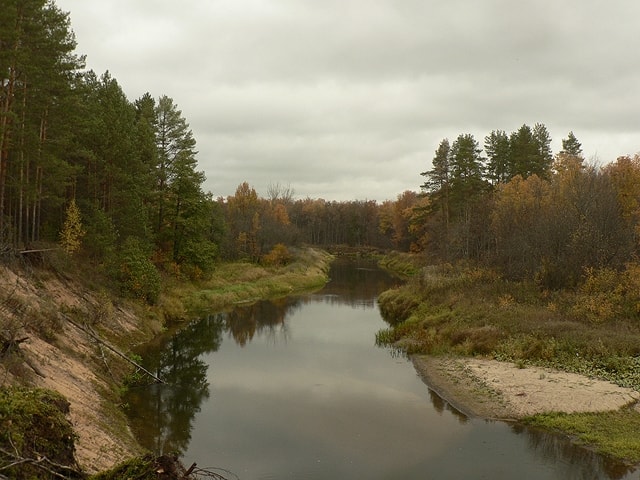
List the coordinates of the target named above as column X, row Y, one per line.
column 278, row 256
column 136, row 274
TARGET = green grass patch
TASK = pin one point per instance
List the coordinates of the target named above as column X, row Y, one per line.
column 614, row 434
column 402, row 264
column 233, row 283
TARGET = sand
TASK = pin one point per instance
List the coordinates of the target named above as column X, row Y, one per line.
column 501, row 390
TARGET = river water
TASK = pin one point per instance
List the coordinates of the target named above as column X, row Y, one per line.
column 297, row 389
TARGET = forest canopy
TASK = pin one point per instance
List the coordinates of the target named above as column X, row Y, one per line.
column 116, row 181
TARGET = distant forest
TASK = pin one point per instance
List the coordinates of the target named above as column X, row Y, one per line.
column 116, row 182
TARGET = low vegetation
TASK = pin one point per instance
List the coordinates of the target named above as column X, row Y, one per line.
column 36, row 439
column 468, row 311
column 238, row 282
column 614, row 433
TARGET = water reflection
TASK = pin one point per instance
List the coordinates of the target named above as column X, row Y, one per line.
column 577, row 463
column 162, row 414
column 441, row 406
column 295, row 388
column 263, row 317
column 356, row 283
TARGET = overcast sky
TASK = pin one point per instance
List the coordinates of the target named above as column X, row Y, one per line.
column 349, row 99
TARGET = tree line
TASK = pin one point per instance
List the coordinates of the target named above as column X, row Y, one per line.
column 80, row 161
column 529, row 213
column 117, row 182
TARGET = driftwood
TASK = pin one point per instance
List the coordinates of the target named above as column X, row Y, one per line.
column 112, row 348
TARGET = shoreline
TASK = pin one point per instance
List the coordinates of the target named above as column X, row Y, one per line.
column 496, row 390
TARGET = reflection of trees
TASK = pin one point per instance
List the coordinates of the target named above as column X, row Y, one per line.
column 264, row 316
column 578, row 461
column 356, row 283
column 162, row 415
column 440, row 405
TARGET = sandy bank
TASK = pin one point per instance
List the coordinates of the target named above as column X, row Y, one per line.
column 501, row 390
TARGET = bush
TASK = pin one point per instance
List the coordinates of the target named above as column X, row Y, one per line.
column 600, row 297
column 135, row 273
column 278, row 256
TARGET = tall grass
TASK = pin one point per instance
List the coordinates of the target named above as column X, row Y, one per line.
column 471, row 311
column 233, row 283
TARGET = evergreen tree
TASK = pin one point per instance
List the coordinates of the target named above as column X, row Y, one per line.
column 530, row 152
column 544, row 158
column 38, row 68
column 174, row 140
column 496, row 146
column 571, row 146
column 438, row 187
column 466, row 169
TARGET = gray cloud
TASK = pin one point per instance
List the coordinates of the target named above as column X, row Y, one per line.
column 349, row 99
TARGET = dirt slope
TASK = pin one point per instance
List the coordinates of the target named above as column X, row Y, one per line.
column 54, row 354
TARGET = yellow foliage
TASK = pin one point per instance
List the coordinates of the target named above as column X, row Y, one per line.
column 518, row 202
column 72, row 231
column 279, row 255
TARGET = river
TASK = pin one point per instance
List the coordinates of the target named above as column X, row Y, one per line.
column 297, row 389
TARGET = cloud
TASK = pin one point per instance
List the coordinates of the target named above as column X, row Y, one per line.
column 349, row 99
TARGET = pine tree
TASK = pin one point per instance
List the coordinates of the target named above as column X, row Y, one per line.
column 438, row 185
column 530, row 152
column 496, row 146
column 571, row 146
column 38, row 70
column 174, row 140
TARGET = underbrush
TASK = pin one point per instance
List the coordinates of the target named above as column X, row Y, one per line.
column 593, row 330
column 404, row 264
column 470, row 311
column 36, row 439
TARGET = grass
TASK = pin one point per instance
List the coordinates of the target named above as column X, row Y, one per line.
column 469, row 311
column 404, row 264
column 234, row 283
column 474, row 312
column 614, row 434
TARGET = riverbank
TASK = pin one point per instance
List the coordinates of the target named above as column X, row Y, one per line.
column 504, row 391
column 511, row 350
column 42, row 310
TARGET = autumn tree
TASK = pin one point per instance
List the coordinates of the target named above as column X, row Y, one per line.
column 244, row 221
column 394, row 219
column 72, row 230
column 518, row 207
column 624, row 175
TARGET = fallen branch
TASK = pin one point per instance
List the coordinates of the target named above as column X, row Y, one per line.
column 42, row 463
column 112, row 348
column 208, row 473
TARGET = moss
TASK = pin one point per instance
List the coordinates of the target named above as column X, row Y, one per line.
column 34, row 425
